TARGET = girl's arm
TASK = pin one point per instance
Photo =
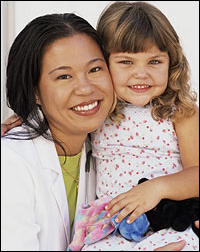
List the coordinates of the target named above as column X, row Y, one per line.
column 177, row 186
column 9, row 123
column 186, row 183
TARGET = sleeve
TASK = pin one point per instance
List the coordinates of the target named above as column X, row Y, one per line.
column 19, row 229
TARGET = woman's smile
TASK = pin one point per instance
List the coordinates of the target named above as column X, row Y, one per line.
column 76, row 91
column 87, row 108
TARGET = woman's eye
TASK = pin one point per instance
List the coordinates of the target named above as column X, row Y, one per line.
column 154, row 62
column 95, row 69
column 126, row 62
column 64, row 77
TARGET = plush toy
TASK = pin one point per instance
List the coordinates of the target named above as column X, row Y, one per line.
column 133, row 231
column 91, row 217
column 92, row 223
column 172, row 213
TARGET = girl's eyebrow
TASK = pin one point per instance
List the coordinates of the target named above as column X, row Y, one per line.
column 158, row 56
column 132, row 57
column 68, row 67
column 122, row 56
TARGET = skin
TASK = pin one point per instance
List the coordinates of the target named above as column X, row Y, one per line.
column 82, row 96
column 9, row 123
column 174, row 246
column 137, row 77
column 75, row 90
column 197, row 224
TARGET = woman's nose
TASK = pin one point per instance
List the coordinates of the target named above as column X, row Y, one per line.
column 84, row 86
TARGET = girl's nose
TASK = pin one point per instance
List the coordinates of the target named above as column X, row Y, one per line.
column 140, row 72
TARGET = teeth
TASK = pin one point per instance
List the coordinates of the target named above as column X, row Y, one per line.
column 86, row 107
column 140, row 87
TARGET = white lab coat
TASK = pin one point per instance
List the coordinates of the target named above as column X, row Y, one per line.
column 34, row 208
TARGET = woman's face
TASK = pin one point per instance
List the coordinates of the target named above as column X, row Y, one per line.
column 75, row 91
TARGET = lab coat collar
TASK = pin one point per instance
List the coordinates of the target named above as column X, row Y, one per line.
column 49, row 160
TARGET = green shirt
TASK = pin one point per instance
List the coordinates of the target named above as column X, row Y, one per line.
column 72, row 165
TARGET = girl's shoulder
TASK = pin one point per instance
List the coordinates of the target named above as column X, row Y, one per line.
column 137, row 118
column 138, row 113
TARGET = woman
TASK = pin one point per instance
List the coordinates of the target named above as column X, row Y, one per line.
column 59, row 84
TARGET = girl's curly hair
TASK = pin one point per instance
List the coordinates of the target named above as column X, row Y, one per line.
column 133, row 27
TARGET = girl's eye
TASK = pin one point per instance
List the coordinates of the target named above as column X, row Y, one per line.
column 126, row 62
column 95, row 69
column 64, row 77
column 154, row 62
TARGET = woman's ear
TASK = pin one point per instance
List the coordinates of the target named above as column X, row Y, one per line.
column 114, row 104
column 37, row 98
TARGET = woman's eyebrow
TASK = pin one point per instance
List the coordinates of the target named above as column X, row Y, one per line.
column 59, row 68
column 94, row 60
column 68, row 67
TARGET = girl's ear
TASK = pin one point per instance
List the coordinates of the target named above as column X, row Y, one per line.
column 37, row 98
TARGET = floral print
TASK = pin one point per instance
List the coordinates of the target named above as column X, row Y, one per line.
column 136, row 148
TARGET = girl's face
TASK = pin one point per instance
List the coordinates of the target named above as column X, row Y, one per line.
column 137, row 77
column 75, row 90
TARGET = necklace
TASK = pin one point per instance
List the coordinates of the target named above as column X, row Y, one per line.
column 76, row 180
column 74, row 163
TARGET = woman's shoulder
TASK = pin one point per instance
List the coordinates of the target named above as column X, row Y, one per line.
column 16, row 137
column 19, row 144
column 14, row 147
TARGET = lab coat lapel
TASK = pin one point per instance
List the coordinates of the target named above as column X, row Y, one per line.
column 84, row 185
column 61, row 200
column 49, row 160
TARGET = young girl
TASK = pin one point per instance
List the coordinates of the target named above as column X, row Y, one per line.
column 153, row 132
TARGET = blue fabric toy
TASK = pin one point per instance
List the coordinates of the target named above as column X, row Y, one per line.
column 93, row 224
column 133, row 231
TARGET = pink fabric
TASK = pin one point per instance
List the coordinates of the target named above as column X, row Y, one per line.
column 91, row 224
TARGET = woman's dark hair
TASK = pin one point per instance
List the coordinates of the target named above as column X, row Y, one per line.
column 25, row 62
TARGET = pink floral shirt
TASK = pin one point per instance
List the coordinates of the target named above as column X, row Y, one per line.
column 138, row 147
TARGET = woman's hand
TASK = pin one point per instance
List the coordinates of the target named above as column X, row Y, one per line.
column 10, row 123
column 136, row 201
column 197, row 223
column 174, row 246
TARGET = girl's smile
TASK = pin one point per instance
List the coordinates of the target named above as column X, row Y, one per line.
column 140, row 88
column 138, row 77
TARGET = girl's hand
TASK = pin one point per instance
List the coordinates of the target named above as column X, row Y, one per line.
column 10, row 123
column 136, row 201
